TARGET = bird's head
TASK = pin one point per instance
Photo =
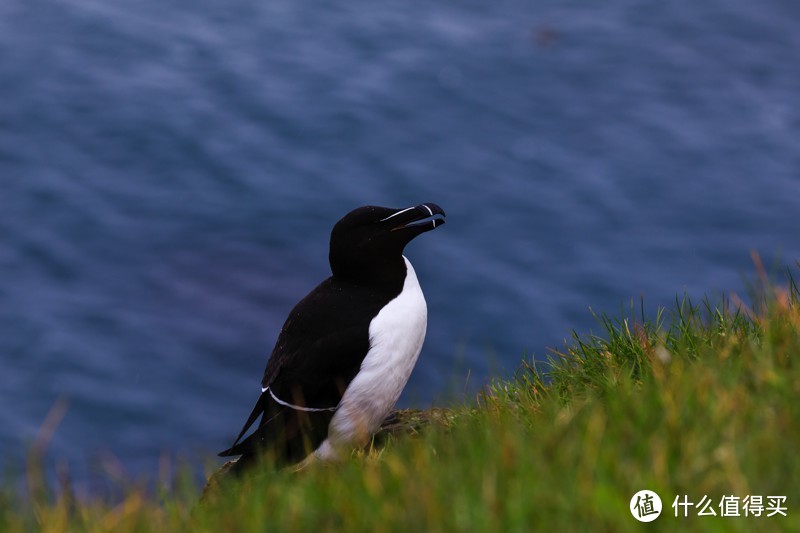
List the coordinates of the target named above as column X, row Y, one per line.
column 370, row 239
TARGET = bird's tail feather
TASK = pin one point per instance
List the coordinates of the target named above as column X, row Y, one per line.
column 257, row 411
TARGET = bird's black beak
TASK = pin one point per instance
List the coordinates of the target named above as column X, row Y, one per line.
column 423, row 217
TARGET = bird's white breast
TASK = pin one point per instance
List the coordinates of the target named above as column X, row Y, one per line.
column 396, row 335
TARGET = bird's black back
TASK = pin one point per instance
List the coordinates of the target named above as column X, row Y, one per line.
column 318, row 352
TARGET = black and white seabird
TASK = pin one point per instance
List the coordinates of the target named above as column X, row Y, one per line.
column 347, row 349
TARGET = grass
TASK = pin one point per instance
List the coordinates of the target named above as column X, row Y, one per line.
column 700, row 400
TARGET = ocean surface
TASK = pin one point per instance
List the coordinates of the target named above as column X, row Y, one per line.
column 170, row 172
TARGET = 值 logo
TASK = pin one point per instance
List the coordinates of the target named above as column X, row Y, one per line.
column 645, row 506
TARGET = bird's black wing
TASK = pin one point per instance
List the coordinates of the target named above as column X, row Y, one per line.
column 318, row 352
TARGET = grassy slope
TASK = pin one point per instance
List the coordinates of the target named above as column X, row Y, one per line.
column 702, row 400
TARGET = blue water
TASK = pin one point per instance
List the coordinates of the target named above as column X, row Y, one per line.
column 170, row 173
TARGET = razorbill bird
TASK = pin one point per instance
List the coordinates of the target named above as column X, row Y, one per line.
column 348, row 348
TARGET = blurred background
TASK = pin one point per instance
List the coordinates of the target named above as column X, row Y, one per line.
column 170, row 173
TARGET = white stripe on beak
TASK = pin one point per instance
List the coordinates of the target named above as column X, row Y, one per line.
column 398, row 213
